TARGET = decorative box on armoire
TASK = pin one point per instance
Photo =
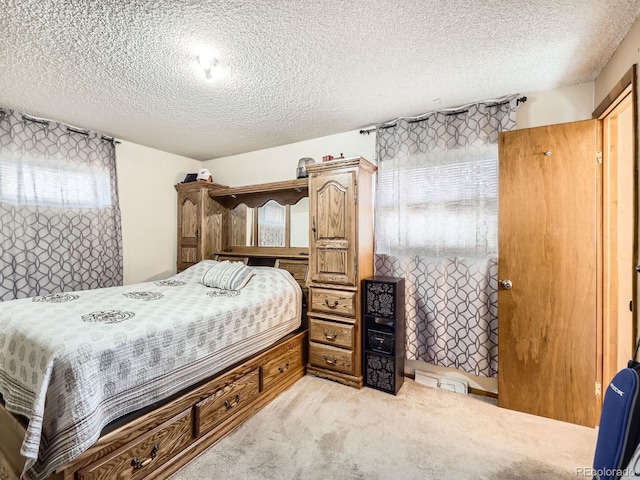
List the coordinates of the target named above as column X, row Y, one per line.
column 383, row 333
column 341, row 254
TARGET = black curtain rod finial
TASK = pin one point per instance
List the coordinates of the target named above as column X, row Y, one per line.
column 521, row 100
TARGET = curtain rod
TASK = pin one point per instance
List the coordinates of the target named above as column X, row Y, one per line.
column 453, row 111
column 42, row 121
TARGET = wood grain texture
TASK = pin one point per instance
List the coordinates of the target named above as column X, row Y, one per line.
column 292, row 253
column 547, row 244
column 166, row 440
column 287, row 192
column 333, row 214
column 232, row 258
column 284, row 363
column 200, row 224
column 238, row 218
column 145, row 425
column 619, row 229
column 225, row 402
column 332, row 358
column 349, row 380
column 357, row 162
column 336, row 302
column 341, row 247
column 202, row 443
column 337, row 334
column 299, row 269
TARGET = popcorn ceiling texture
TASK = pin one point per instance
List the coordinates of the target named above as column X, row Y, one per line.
column 294, row 70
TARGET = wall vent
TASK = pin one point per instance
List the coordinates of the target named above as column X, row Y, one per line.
column 441, row 381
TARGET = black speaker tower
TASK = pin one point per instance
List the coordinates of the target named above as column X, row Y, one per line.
column 383, row 333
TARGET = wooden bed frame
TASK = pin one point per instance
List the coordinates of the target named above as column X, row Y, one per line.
column 157, row 443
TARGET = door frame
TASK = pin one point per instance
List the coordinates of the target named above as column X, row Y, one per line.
column 626, row 86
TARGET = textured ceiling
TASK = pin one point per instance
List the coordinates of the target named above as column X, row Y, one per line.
column 290, row 70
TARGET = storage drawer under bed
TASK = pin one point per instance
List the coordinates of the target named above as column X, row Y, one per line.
column 137, row 459
column 285, row 361
column 226, row 401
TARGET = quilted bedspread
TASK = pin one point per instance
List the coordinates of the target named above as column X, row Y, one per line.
column 73, row 362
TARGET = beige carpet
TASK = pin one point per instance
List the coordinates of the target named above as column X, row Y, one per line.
column 319, row 429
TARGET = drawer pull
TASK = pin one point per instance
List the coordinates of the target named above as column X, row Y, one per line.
column 330, row 337
column 230, row 405
column 381, row 340
column 328, row 360
column 282, row 369
column 136, row 463
column 334, row 305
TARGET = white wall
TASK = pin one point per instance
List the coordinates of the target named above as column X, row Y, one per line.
column 562, row 105
column 567, row 104
column 148, row 204
column 624, row 57
column 280, row 163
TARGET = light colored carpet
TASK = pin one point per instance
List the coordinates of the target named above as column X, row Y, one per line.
column 319, row 429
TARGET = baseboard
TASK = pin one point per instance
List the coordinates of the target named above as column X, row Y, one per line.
column 483, row 393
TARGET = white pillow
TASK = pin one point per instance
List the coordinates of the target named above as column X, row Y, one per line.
column 227, row 275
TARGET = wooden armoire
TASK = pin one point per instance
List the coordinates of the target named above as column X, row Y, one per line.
column 199, row 223
column 341, row 254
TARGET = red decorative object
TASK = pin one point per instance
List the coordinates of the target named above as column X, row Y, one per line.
column 327, row 158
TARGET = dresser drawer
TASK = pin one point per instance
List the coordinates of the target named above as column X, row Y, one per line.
column 297, row 268
column 285, row 361
column 137, row 459
column 226, row 401
column 331, row 333
column 339, row 302
column 331, row 358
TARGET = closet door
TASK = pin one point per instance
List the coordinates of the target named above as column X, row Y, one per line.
column 548, row 227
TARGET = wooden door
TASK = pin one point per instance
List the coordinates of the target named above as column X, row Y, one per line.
column 619, row 227
column 189, row 225
column 333, row 214
column 547, row 249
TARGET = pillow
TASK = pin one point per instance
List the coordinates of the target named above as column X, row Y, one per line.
column 194, row 272
column 227, row 275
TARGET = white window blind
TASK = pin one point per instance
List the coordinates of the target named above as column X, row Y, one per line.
column 25, row 180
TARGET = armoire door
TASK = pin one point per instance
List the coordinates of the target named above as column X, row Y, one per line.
column 547, row 317
column 189, row 225
column 333, row 228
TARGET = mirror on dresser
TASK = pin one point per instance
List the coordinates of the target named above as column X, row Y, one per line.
column 300, row 223
column 270, row 225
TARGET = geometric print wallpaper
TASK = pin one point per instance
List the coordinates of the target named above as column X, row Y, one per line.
column 60, row 227
column 437, row 227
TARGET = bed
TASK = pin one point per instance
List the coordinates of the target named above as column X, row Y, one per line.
column 184, row 361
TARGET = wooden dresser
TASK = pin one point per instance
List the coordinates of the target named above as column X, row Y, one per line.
column 341, row 254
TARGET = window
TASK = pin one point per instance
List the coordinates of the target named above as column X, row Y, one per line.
column 32, row 182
